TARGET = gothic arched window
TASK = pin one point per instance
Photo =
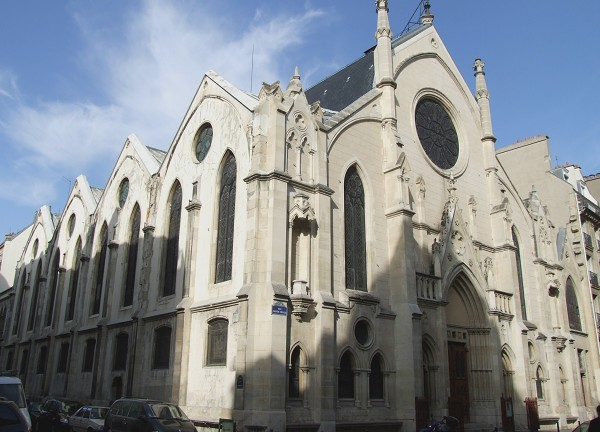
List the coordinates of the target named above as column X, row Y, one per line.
column 216, row 354
column 132, row 253
column 88, row 355
column 70, row 310
column 226, row 220
column 121, row 351
column 572, row 306
column 102, row 252
column 172, row 246
column 294, row 390
column 539, row 382
column 346, row 377
column 376, row 378
column 162, row 348
column 354, row 235
column 54, row 277
column 519, row 272
column 34, row 296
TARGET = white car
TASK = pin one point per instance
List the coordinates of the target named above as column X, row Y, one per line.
column 88, row 419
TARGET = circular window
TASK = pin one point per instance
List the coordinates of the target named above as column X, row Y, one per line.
column 123, row 192
column 71, row 224
column 362, row 332
column 203, row 141
column 437, row 133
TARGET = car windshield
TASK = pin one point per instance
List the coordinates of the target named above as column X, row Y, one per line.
column 13, row 392
column 98, row 413
column 166, row 411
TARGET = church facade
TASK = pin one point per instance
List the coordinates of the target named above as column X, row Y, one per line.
column 354, row 255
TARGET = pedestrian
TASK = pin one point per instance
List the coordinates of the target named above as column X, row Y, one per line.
column 595, row 423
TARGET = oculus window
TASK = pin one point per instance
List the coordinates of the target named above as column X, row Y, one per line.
column 203, row 141
column 437, row 133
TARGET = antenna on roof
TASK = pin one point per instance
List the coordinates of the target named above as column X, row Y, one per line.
column 411, row 23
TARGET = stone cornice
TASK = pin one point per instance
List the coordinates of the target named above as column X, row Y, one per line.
column 317, row 188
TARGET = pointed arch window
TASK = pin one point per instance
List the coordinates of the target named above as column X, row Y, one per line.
column 132, row 254
column 224, row 259
column 121, row 352
column 162, row 348
column 216, row 354
column 19, row 309
column 63, row 357
column 354, row 231
column 72, row 297
column 54, row 279
column 99, row 283
column 34, row 296
column 172, row 247
column 519, row 272
column 376, row 378
column 572, row 306
column 88, row 355
column 294, row 389
column 42, row 360
column 539, row 382
column 346, row 377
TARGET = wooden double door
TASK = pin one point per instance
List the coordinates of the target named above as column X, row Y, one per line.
column 458, row 400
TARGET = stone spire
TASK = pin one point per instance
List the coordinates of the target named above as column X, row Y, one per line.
column 427, row 17
column 483, row 99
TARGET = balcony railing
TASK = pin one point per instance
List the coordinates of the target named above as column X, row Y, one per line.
column 593, row 278
column 587, row 240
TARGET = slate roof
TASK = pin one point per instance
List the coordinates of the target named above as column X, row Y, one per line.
column 159, row 155
column 346, row 85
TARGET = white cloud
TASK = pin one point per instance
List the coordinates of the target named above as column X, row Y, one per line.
column 148, row 75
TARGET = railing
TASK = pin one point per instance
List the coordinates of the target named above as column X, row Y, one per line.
column 586, row 204
column 593, row 278
column 503, row 302
column 587, row 240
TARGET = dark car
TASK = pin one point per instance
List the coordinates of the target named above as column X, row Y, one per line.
column 146, row 415
column 11, row 417
column 54, row 415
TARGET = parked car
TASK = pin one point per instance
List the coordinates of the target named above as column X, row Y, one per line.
column 54, row 415
column 88, row 419
column 11, row 389
column 146, row 415
column 11, row 417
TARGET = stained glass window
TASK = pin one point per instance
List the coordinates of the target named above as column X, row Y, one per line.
column 172, row 247
column 162, row 348
column 132, row 254
column 376, row 378
column 346, row 377
column 437, row 133
column 572, row 306
column 54, row 278
column 74, row 282
column 121, row 351
column 354, row 224
column 102, row 251
column 217, row 342
column 226, row 221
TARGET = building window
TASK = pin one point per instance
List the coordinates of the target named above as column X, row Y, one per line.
column 216, row 354
column 132, row 254
column 88, row 355
column 519, row 272
column 102, row 251
column 172, row 246
column 539, row 382
column 70, row 310
column 121, row 352
column 19, row 309
column 354, row 231
column 9, row 360
column 63, row 356
column 572, row 306
column 294, row 390
column 376, row 378
column 346, row 377
column 24, row 361
column 34, row 297
column 54, row 278
column 162, row 348
column 42, row 360
column 226, row 220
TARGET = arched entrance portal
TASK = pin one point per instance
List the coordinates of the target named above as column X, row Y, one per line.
column 471, row 349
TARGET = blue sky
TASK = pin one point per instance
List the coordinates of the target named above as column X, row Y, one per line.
column 77, row 77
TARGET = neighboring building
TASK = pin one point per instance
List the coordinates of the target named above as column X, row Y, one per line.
column 593, row 184
column 352, row 256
